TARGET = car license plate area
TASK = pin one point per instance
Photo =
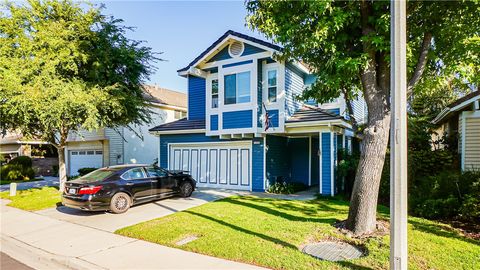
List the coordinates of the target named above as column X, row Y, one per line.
column 71, row 191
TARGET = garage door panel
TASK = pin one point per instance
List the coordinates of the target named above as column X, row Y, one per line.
column 84, row 159
column 222, row 165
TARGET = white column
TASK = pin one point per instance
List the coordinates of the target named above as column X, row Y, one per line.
column 398, row 140
column 310, row 160
column 332, row 161
column 320, row 162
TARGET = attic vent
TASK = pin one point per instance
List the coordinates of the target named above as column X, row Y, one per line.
column 235, row 49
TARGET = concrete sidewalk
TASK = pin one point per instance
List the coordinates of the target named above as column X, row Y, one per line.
column 43, row 242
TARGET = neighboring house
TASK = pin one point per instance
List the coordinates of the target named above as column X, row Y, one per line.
column 224, row 141
column 13, row 144
column 106, row 146
column 461, row 119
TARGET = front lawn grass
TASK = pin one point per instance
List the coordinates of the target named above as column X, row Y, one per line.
column 271, row 233
column 33, row 199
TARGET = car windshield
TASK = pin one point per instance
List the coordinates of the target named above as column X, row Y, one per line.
column 98, row 175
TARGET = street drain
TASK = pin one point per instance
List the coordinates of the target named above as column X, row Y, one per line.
column 186, row 240
column 333, row 251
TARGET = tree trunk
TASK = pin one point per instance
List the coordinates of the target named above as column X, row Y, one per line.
column 363, row 203
column 62, row 169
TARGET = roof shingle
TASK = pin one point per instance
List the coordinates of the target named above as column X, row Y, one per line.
column 165, row 96
column 182, row 124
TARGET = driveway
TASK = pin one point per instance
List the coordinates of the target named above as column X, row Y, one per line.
column 111, row 222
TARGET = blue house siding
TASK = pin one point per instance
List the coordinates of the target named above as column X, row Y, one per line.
column 237, row 119
column 196, row 97
column 273, row 115
column 238, row 63
column 221, row 55
column 214, row 122
column 257, row 153
column 326, row 163
column 298, row 150
column 249, row 49
column 278, row 162
column 293, row 87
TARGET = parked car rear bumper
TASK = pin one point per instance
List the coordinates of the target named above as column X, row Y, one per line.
column 85, row 203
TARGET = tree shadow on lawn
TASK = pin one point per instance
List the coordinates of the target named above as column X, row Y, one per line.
column 312, row 214
column 240, row 229
column 442, row 231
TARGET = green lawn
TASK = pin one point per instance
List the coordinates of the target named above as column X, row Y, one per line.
column 33, row 199
column 271, row 232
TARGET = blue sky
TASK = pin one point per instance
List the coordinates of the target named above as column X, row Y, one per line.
column 179, row 29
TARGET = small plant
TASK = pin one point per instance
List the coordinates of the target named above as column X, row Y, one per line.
column 13, row 172
column 285, row 188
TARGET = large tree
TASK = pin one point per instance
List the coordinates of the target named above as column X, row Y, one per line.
column 66, row 67
column 347, row 46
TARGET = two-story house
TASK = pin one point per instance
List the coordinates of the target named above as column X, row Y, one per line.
column 226, row 141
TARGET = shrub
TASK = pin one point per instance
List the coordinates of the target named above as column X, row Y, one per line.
column 86, row 170
column 22, row 160
column 13, row 172
column 286, row 188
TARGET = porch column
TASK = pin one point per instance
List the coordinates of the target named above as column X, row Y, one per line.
column 332, row 161
column 320, row 162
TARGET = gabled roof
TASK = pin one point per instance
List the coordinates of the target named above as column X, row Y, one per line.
column 165, row 96
column 223, row 37
column 310, row 113
column 457, row 105
column 179, row 125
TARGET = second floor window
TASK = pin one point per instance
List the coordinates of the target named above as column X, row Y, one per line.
column 237, row 88
column 214, row 93
column 272, row 85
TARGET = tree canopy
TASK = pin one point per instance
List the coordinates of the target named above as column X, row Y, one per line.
column 64, row 67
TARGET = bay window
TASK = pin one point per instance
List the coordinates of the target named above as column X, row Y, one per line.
column 237, row 88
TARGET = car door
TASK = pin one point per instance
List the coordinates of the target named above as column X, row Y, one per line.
column 163, row 183
column 138, row 182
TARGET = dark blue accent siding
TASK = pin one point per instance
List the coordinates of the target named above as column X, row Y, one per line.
column 298, row 149
column 196, row 98
column 274, row 117
column 238, row 63
column 221, row 55
column 335, row 111
column 278, row 161
column 315, row 161
column 326, row 164
column 214, row 122
column 257, row 153
column 237, row 119
column 249, row 49
column 257, row 165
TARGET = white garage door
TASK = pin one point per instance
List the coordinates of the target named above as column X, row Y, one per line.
column 84, row 159
column 217, row 165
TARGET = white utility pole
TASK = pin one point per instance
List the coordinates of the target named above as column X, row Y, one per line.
column 398, row 136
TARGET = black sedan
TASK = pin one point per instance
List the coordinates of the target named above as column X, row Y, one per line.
column 116, row 188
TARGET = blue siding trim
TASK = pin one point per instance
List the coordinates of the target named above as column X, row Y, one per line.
column 214, row 122
column 257, row 153
column 249, row 49
column 196, row 97
column 274, row 117
column 237, row 119
column 326, row 164
column 259, row 93
column 221, row 55
column 238, row 64
column 293, row 88
column 298, row 150
column 257, row 165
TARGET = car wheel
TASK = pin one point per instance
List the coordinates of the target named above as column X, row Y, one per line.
column 186, row 189
column 120, row 203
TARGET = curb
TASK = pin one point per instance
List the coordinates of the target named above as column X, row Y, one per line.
column 41, row 259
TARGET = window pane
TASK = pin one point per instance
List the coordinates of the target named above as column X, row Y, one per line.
column 133, row 174
column 155, row 172
column 230, row 89
column 215, row 101
column 243, row 85
column 272, row 94
column 214, row 87
column 272, row 78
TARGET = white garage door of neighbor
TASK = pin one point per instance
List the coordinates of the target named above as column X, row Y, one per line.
column 216, row 165
column 85, row 159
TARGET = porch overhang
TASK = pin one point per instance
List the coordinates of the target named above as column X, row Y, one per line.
column 317, row 126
